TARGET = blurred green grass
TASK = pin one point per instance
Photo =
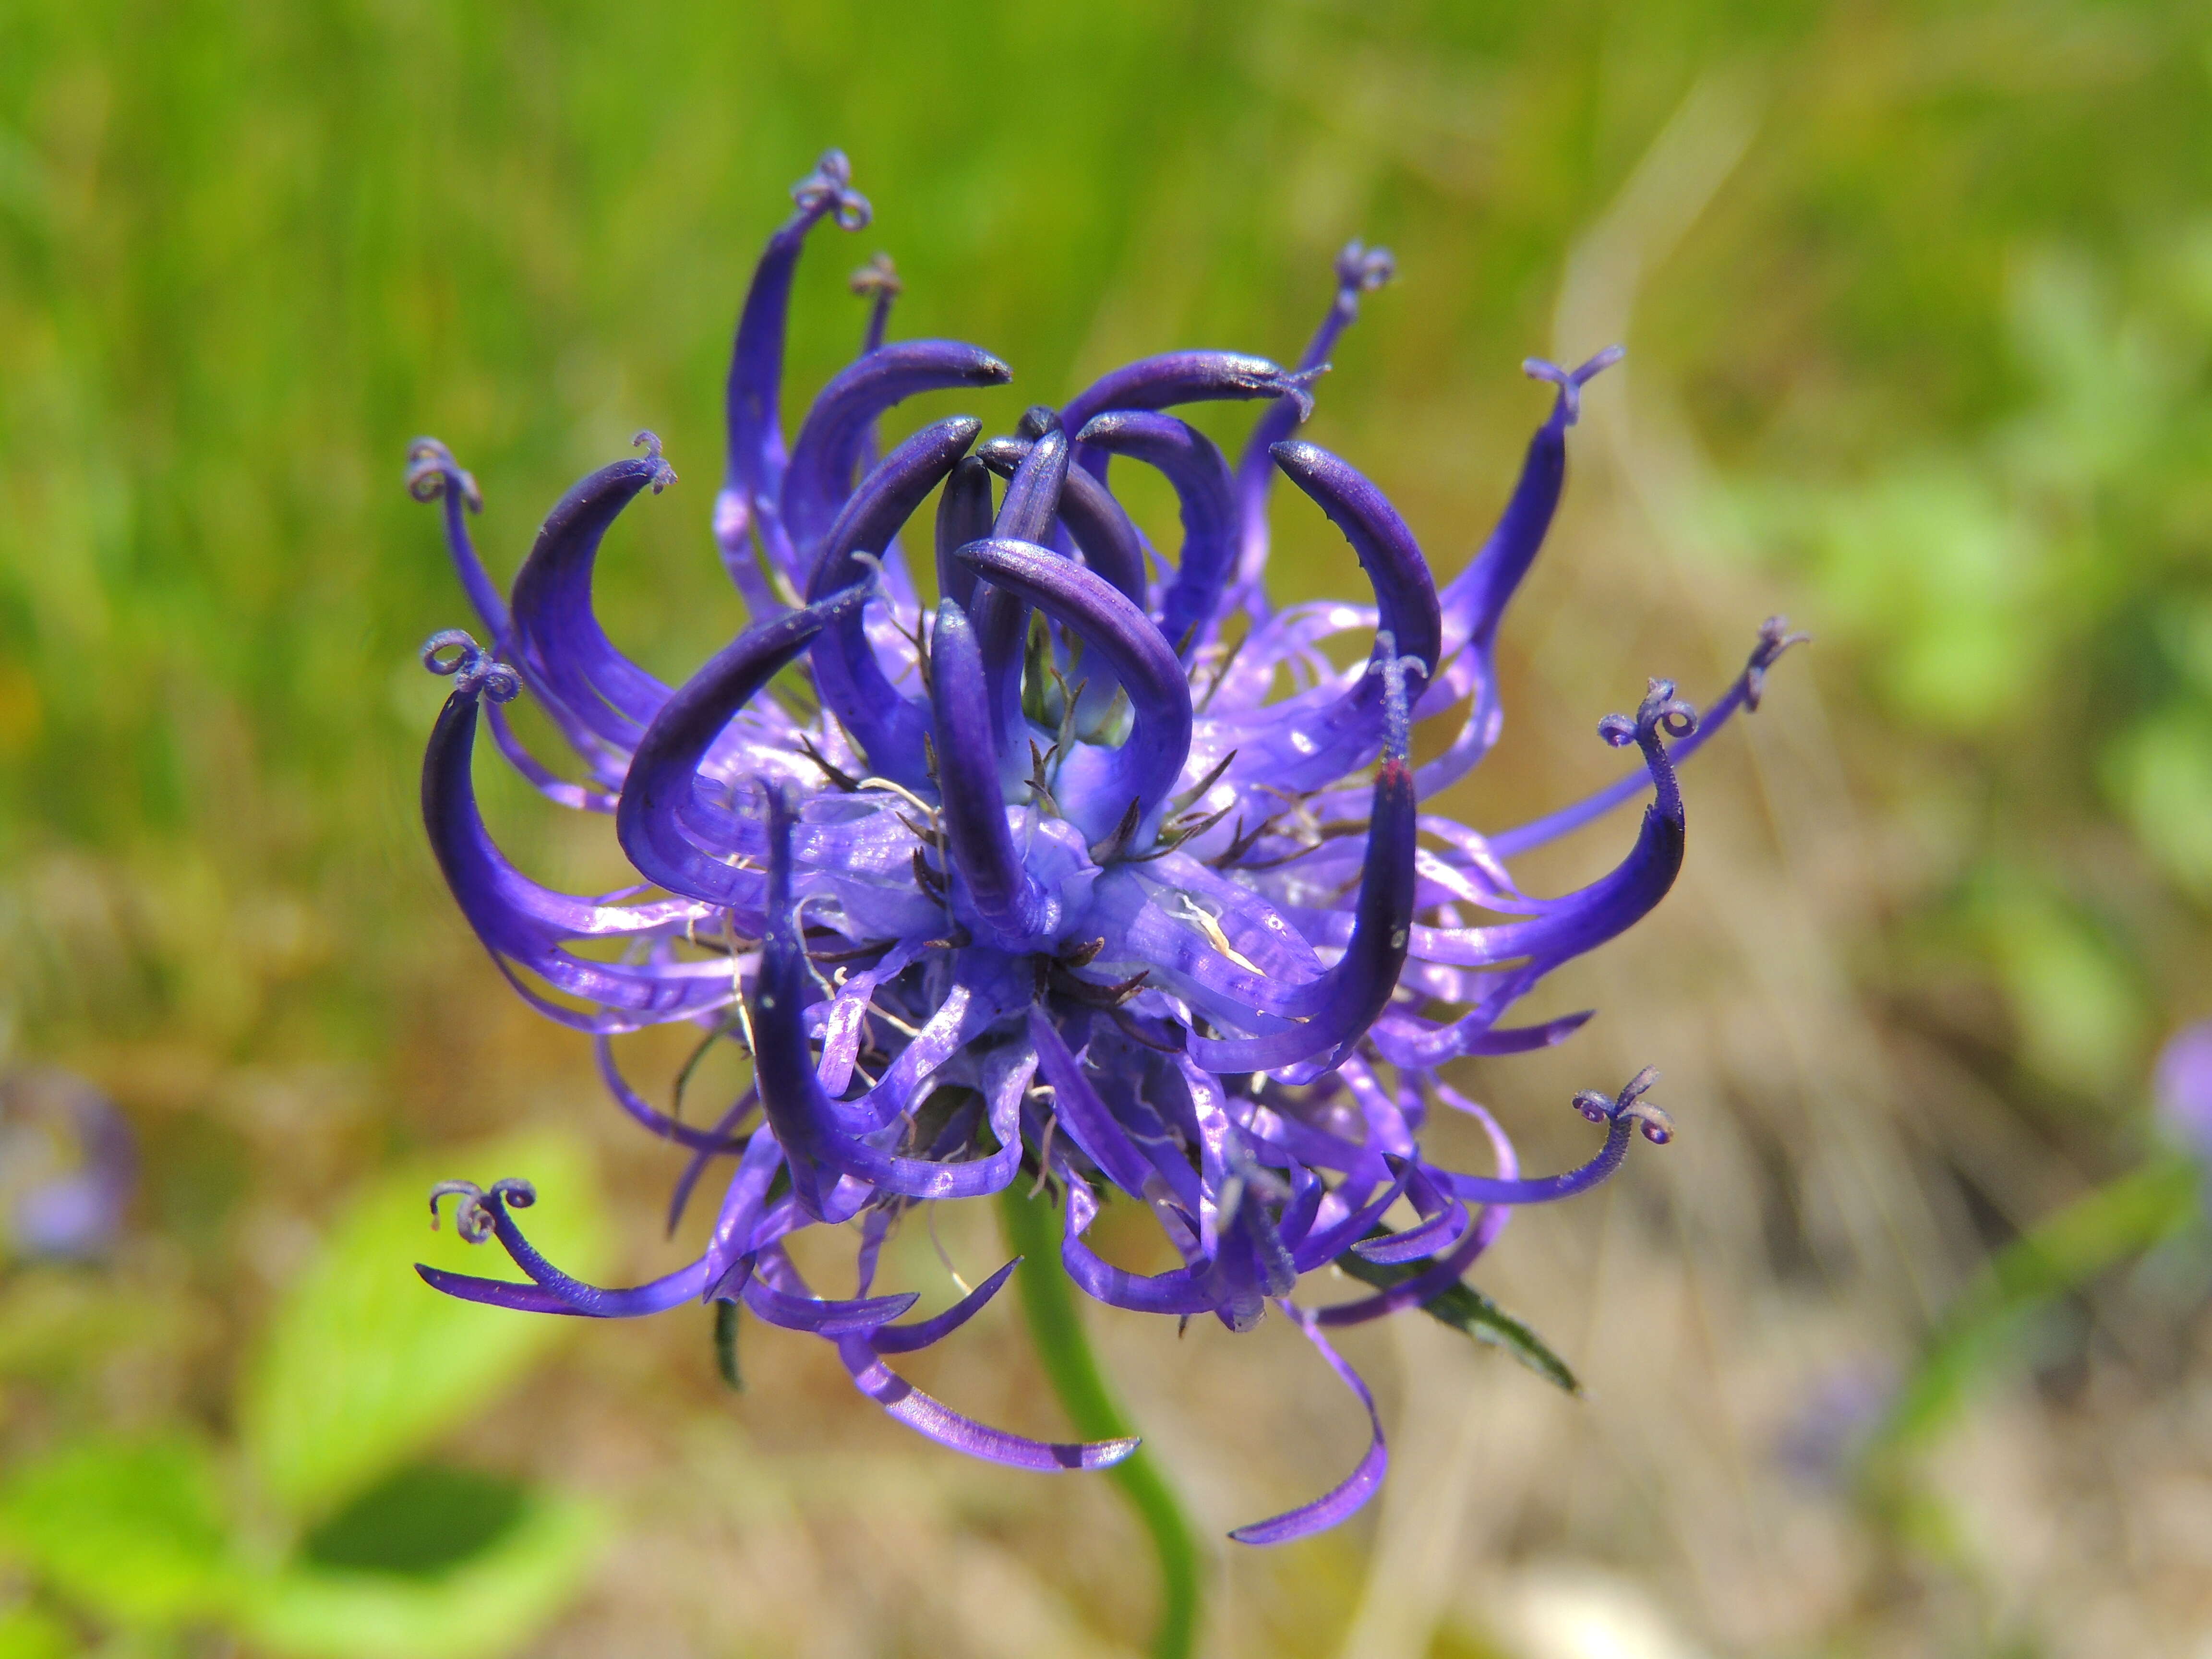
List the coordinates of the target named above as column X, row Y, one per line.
column 1938, row 338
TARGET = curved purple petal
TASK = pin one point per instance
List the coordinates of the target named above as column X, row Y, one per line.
column 1145, row 767
column 559, row 645
column 663, row 773
column 935, row 1420
column 820, row 476
column 1209, row 501
column 1346, row 1500
column 1101, row 528
column 1175, row 377
column 819, row 1317
column 1006, row 897
column 754, row 474
column 926, row 1333
column 963, row 515
column 883, row 721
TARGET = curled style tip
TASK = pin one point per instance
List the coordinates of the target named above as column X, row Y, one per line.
column 432, row 471
column 475, row 1208
column 663, row 474
column 472, row 669
column 879, row 278
column 828, row 189
column 1774, row 639
column 1660, row 713
column 1629, row 1106
column 1362, row 269
column 877, row 282
column 1570, row 381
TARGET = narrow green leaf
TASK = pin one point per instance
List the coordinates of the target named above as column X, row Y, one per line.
column 726, row 1344
column 1467, row 1309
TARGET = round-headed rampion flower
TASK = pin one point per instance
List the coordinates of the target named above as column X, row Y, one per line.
column 1045, row 882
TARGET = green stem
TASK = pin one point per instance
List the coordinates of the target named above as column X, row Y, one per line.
column 1055, row 1326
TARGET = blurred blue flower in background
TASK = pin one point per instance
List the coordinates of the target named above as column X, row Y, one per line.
column 68, row 1166
column 1099, row 874
column 2182, row 1084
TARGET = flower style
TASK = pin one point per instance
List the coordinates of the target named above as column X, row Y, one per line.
column 1044, row 883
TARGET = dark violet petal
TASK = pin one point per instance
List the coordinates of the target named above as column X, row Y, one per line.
column 662, row 774
column 819, row 477
column 558, row 642
column 1208, row 500
column 1357, row 1487
column 924, row 1332
column 720, row 1142
column 573, row 1294
column 886, row 724
column 819, row 1317
column 1175, row 377
column 963, row 515
column 658, row 1296
column 1405, row 593
column 1444, row 1222
column 1181, row 1291
column 1083, row 1117
column 754, row 470
column 497, row 1293
column 1101, row 529
column 1496, row 1189
column 1005, row 895
column 524, row 923
column 1001, row 619
column 1033, row 499
column 1324, row 1246
column 1426, row 1286
column 1583, row 919
column 708, row 1141
column 1403, row 1039
column 937, row 1421
column 1308, row 742
column 1345, row 1001
column 1146, row 765
column 730, row 1243
column 885, row 499
column 1477, row 598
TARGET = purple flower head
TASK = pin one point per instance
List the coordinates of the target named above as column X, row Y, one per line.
column 1053, row 880
column 68, row 1165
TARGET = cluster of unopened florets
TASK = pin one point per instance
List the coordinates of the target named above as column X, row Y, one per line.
column 1051, row 880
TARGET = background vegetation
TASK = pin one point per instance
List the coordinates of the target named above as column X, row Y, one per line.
column 1917, row 297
